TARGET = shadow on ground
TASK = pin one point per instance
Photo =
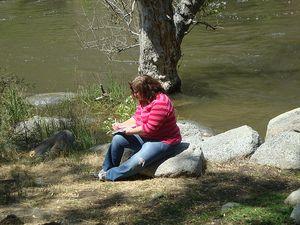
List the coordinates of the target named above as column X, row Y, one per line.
column 199, row 202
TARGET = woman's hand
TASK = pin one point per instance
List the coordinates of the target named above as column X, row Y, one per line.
column 129, row 131
column 128, row 123
column 116, row 126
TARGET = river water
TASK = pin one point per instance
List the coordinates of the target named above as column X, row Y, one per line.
column 246, row 72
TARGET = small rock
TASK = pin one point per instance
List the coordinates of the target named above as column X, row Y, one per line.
column 293, row 199
column 229, row 205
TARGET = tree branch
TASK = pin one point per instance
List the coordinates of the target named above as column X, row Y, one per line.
column 109, row 35
column 207, row 25
column 184, row 15
column 120, row 10
column 195, row 23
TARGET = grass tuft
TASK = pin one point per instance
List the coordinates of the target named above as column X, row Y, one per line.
column 89, row 120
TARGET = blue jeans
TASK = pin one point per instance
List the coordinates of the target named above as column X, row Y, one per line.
column 146, row 151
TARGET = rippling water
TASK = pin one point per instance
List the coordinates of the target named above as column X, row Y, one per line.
column 246, row 72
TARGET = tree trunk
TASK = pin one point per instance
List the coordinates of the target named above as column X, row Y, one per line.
column 159, row 48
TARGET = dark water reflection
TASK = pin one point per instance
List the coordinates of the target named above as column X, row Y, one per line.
column 246, row 73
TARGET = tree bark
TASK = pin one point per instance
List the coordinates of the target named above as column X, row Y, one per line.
column 184, row 15
column 159, row 47
column 161, row 31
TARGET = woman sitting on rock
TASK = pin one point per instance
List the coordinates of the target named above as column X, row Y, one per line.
column 152, row 132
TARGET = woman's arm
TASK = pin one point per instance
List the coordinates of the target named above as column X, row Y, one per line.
column 128, row 123
column 135, row 130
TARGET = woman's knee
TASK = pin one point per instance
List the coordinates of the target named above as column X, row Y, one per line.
column 118, row 139
column 148, row 145
column 153, row 146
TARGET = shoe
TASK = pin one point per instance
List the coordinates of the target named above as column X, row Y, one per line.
column 95, row 175
column 99, row 175
column 102, row 175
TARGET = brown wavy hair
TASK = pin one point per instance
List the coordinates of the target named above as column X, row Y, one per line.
column 147, row 87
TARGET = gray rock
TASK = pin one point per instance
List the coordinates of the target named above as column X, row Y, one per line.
column 296, row 214
column 60, row 141
column 236, row 143
column 31, row 126
column 47, row 99
column 288, row 121
column 187, row 160
column 102, row 149
column 229, row 205
column 293, row 199
column 193, row 132
column 281, row 151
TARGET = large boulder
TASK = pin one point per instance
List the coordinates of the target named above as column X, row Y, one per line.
column 191, row 131
column 47, row 99
column 34, row 124
column 293, row 199
column 282, row 150
column 187, row 159
column 288, row 121
column 295, row 215
column 236, row 143
column 60, row 141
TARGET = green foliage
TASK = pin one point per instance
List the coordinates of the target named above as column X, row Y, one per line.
column 13, row 109
column 113, row 105
column 89, row 116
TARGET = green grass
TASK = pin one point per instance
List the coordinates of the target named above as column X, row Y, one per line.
column 267, row 208
column 89, row 120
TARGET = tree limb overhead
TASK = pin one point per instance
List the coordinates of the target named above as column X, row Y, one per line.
column 184, row 15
